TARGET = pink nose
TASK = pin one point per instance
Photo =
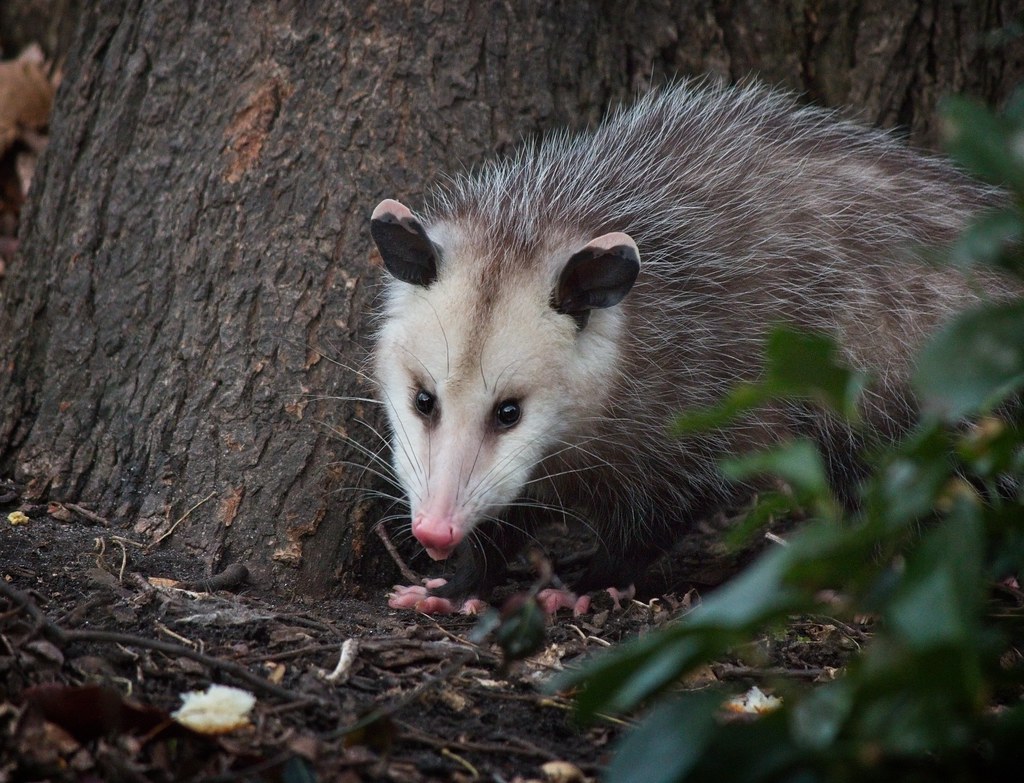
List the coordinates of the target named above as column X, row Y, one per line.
column 437, row 534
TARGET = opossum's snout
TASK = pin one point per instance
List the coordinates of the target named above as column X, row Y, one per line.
column 438, row 533
column 455, row 495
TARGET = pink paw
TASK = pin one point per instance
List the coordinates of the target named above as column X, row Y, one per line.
column 418, row 598
column 551, row 600
column 473, row 606
column 621, row 595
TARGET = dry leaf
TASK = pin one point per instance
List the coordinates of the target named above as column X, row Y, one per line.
column 26, row 97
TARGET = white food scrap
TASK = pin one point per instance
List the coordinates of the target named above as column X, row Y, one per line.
column 217, row 710
column 753, row 702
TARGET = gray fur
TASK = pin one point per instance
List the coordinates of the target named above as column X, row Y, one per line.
column 748, row 210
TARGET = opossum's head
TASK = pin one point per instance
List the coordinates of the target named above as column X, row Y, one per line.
column 490, row 360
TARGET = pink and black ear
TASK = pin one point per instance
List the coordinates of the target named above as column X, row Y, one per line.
column 600, row 275
column 408, row 253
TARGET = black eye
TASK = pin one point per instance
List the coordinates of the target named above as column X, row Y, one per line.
column 424, row 402
column 507, row 413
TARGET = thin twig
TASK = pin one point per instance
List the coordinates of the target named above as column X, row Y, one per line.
column 458, row 759
column 457, row 662
column 349, row 651
column 63, row 637
column 727, row 671
column 776, row 539
column 124, row 561
column 84, row 512
column 418, row 735
column 179, row 520
column 27, row 605
column 170, row 648
column 407, row 573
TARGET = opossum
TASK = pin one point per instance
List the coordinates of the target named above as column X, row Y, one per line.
column 547, row 315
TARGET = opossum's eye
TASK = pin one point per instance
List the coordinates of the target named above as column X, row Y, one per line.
column 424, row 402
column 507, row 413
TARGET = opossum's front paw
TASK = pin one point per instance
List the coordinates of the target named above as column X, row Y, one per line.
column 621, row 595
column 552, row 599
column 418, row 598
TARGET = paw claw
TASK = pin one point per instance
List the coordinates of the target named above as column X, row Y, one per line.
column 473, row 606
column 621, row 595
column 582, row 606
column 419, row 599
column 552, row 599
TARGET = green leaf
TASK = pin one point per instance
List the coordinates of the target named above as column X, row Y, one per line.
column 629, row 675
column 818, row 718
column 298, row 770
column 908, row 483
column 797, row 463
column 829, row 555
column 757, row 596
column 1006, row 541
column 994, row 239
column 797, row 366
column 974, row 363
column 939, row 600
column 521, row 632
column 983, row 142
column 769, row 506
column 993, row 448
column 740, row 400
column 669, row 742
column 620, row 679
column 1013, row 111
column 810, row 366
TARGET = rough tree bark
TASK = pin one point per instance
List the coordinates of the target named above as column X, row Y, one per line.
column 196, row 277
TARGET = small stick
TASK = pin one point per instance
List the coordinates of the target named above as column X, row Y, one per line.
column 349, row 650
column 726, row 671
column 456, row 757
column 180, row 519
column 64, row 637
column 407, row 573
column 776, row 539
column 417, row 735
column 84, row 512
column 454, row 663
column 170, row 648
column 124, row 561
column 178, row 637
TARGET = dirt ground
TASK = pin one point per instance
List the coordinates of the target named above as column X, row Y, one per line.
column 96, row 651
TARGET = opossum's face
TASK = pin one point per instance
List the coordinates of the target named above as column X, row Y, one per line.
column 484, row 378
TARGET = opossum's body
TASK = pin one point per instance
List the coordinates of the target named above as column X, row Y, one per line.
column 520, row 364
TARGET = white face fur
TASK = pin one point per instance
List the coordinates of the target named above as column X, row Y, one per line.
column 489, row 364
column 479, row 394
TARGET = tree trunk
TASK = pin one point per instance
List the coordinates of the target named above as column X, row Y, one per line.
column 194, row 293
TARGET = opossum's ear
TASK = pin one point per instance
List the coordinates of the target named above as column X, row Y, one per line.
column 599, row 275
column 405, row 247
